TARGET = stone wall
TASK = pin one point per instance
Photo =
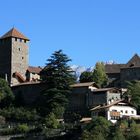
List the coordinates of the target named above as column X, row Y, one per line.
column 78, row 98
column 19, row 62
column 97, row 98
column 129, row 74
column 5, row 58
column 102, row 98
column 28, row 91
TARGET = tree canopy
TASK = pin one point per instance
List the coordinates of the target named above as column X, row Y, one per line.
column 134, row 93
column 86, row 76
column 58, row 77
column 6, row 94
column 99, row 129
column 99, row 75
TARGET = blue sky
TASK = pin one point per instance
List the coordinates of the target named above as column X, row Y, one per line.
column 86, row 30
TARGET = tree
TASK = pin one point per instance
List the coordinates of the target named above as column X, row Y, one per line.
column 51, row 121
column 6, row 95
column 58, row 77
column 86, row 77
column 134, row 93
column 134, row 133
column 99, row 75
column 118, row 135
column 98, row 128
column 94, row 135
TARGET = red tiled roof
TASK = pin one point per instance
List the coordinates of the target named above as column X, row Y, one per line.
column 19, row 76
column 14, row 33
column 34, row 69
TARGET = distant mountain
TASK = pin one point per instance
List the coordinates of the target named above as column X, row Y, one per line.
column 79, row 69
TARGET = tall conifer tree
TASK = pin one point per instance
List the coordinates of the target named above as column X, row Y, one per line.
column 58, row 77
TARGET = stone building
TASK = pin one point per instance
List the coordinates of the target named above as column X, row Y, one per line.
column 87, row 95
column 104, row 96
column 119, row 74
column 14, row 55
column 33, row 74
column 78, row 98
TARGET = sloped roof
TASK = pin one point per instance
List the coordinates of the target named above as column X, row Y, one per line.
column 83, row 84
column 18, row 75
column 34, row 69
column 133, row 62
column 106, row 89
column 14, row 33
column 106, row 106
column 113, row 68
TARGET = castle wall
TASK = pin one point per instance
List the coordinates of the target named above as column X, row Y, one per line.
column 29, row 92
column 78, row 98
column 129, row 74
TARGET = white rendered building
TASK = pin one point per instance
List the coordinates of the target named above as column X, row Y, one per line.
column 115, row 111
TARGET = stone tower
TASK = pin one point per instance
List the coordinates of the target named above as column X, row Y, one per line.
column 13, row 56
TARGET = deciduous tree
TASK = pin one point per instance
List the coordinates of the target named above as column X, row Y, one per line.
column 99, row 75
column 86, row 76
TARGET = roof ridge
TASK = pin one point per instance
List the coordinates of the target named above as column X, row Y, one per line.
column 14, row 33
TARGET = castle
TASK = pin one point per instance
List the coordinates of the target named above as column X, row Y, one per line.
column 14, row 55
column 120, row 74
column 14, row 67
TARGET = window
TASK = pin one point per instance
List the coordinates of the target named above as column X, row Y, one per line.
column 126, row 111
column 121, row 111
column 19, row 49
column 22, row 57
column 115, row 117
column 114, row 110
column 20, row 40
column 132, row 112
column 15, row 39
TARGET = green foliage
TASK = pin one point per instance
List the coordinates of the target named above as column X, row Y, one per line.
column 19, row 114
column 6, row 95
column 99, row 128
column 99, row 75
column 19, row 129
column 86, row 77
column 57, row 73
column 58, row 77
column 93, row 135
column 52, row 100
column 133, row 93
column 134, row 133
column 58, row 111
column 51, row 121
column 86, row 135
column 22, row 128
column 118, row 135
